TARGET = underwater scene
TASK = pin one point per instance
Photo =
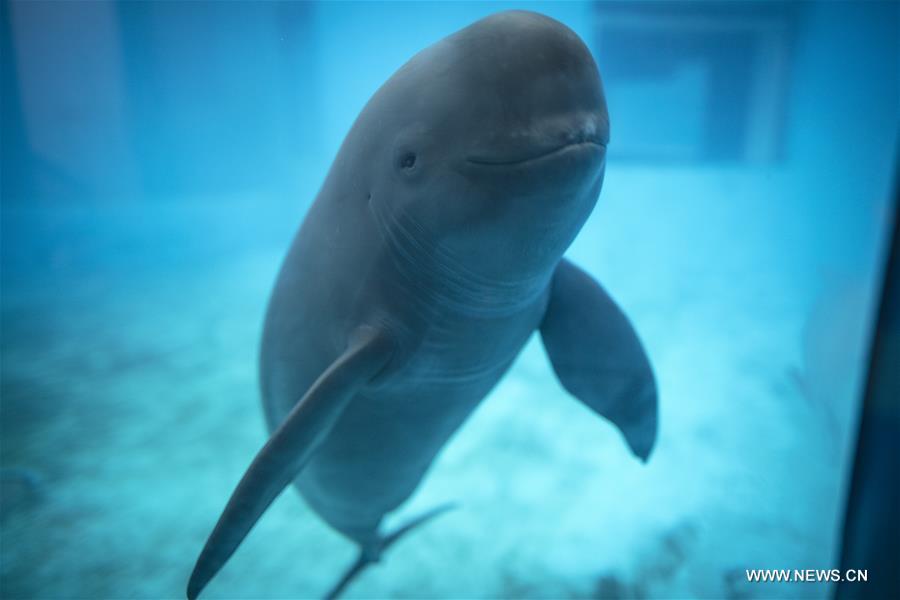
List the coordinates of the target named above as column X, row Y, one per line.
column 158, row 159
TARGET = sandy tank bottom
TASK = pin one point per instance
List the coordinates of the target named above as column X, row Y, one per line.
column 130, row 410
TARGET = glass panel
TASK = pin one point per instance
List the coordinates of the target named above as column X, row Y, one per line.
column 158, row 158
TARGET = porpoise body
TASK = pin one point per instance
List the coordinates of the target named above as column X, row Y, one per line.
column 431, row 254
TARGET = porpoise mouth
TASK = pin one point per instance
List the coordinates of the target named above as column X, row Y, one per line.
column 501, row 161
column 576, row 140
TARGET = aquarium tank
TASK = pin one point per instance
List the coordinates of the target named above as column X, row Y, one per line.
column 158, row 159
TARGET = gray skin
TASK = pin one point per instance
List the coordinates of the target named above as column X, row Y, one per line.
column 435, row 245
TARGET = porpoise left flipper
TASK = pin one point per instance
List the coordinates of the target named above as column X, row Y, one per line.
column 598, row 357
column 289, row 449
column 371, row 555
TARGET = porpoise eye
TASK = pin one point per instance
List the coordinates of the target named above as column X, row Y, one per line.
column 408, row 160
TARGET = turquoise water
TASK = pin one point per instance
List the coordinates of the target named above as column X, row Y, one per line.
column 157, row 160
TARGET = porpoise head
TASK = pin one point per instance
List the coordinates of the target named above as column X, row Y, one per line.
column 492, row 142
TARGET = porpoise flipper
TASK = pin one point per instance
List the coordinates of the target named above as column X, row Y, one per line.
column 598, row 357
column 368, row 556
column 289, row 449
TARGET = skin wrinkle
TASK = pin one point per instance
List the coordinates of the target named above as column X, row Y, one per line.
column 449, row 284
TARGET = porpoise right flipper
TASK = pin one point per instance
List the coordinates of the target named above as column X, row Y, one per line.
column 598, row 357
column 289, row 449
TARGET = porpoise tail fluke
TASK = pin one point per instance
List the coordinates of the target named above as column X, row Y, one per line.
column 373, row 554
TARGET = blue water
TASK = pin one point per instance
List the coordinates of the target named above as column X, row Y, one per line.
column 157, row 158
